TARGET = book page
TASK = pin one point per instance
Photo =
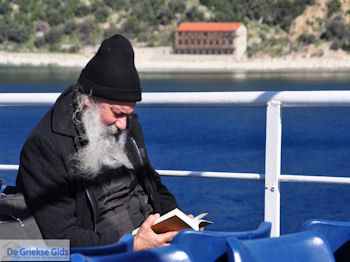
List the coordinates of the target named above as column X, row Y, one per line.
column 171, row 224
column 176, row 220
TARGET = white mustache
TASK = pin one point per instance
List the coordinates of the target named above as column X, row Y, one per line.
column 112, row 130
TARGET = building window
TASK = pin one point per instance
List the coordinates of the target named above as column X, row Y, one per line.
column 230, row 42
column 192, row 42
column 211, row 33
column 193, row 33
column 198, row 42
column 210, row 42
column 198, row 33
column 217, row 42
column 204, row 41
column 179, row 33
column 223, row 42
column 205, row 33
column 186, row 42
column 180, row 42
column 217, row 33
column 186, row 33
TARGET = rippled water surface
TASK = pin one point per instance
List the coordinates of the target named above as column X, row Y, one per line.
column 315, row 141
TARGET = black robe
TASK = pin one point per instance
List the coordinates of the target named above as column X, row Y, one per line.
column 62, row 203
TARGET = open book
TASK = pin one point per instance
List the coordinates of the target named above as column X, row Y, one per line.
column 177, row 220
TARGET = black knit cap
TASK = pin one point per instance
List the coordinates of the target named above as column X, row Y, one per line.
column 111, row 73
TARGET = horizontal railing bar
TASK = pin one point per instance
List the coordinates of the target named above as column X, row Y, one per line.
column 249, row 176
column 252, row 176
column 248, row 99
column 207, row 99
column 8, row 167
column 255, row 176
column 314, row 179
column 28, row 99
column 181, row 173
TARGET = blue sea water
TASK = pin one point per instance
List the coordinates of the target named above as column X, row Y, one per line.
column 315, row 141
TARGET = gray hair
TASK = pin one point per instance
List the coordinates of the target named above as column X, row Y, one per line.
column 79, row 98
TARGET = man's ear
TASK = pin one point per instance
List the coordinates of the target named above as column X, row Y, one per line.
column 87, row 102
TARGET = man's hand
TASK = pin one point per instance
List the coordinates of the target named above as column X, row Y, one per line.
column 146, row 238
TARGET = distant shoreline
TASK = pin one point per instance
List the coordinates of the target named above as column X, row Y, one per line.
column 160, row 59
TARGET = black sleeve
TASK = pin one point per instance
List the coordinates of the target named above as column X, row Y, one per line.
column 165, row 197
column 49, row 193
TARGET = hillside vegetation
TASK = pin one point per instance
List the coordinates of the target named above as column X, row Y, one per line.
column 275, row 28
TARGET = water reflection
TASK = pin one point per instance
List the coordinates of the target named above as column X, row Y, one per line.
column 54, row 79
column 313, row 76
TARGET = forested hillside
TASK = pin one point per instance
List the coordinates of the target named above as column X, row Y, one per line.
column 70, row 25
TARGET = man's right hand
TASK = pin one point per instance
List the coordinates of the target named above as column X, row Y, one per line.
column 146, row 238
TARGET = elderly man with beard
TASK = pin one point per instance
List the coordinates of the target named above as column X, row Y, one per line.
column 84, row 169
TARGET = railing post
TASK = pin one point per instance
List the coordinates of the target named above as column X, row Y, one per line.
column 273, row 165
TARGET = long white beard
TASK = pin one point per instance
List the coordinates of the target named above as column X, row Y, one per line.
column 105, row 148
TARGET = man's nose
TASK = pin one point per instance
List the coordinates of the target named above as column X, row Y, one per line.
column 121, row 123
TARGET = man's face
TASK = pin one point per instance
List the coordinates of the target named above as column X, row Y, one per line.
column 103, row 123
column 115, row 113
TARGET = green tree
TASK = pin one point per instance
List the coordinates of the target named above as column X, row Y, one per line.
column 306, row 38
column 177, row 6
column 54, row 36
column 82, row 10
column 54, row 17
column 5, row 29
column 89, row 33
column 194, row 14
column 102, row 13
column 5, row 7
column 20, row 29
column 69, row 27
column 39, row 42
column 333, row 7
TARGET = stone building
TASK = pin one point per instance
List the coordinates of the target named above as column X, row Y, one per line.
column 211, row 38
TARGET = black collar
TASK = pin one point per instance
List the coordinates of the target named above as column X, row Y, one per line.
column 62, row 114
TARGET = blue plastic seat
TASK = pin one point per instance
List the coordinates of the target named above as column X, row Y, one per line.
column 211, row 245
column 337, row 234
column 307, row 246
column 172, row 253
column 126, row 244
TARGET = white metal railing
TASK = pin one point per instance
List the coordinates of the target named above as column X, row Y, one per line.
column 216, row 99
column 274, row 101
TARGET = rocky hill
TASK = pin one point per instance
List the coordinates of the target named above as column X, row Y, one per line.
column 322, row 29
column 283, row 28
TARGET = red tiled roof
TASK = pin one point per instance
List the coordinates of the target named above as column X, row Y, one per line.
column 225, row 26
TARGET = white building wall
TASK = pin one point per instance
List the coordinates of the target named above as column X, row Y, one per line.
column 240, row 42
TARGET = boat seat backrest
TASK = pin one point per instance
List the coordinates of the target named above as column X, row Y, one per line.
column 303, row 246
column 125, row 244
column 172, row 253
column 337, row 233
column 211, row 245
